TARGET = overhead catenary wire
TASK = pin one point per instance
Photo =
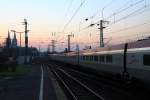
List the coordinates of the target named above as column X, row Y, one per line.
column 120, row 10
column 132, row 14
column 66, row 13
column 74, row 14
column 97, row 12
column 117, row 12
column 112, row 1
column 76, row 11
column 133, row 37
column 137, row 12
column 127, row 28
column 130, row 27
column 68, row 8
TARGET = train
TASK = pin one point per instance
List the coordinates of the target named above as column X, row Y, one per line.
column 113, row 59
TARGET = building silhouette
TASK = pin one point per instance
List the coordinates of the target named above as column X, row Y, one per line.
column 14, row 41
column 8, row 41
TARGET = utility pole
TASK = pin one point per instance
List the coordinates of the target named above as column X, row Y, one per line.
column 39, row 47
column 101, row 32
column 78, row 55
column 53, row 46
column 69, row 42
column 26, row 41
column 39, row 50
column 13, row 31
column 20, row 37
column 48, row 49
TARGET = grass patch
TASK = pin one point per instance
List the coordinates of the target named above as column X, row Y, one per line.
column 20, row 70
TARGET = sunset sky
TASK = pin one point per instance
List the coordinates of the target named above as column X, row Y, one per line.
column 129, row 19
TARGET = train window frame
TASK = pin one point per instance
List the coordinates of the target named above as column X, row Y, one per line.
column 101, row 58
column 91, row 58
column 79, row 57
column 95, row 58
column 84, row 58
column 87, row 58
column 109, row 59
column 146, row 61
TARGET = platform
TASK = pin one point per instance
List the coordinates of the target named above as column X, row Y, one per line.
column 29, row 87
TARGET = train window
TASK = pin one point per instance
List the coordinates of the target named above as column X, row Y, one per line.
column 91, row 58
column 146, row 59
column 84, row 58
column 87, row 57
column 80, row 57
column 108, row 58
column 73, row 57
column 101, row 58
column 95, row 58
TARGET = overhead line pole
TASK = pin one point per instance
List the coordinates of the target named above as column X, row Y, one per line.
column 26, row 41
column 69, row 42
column 20, row 37
column 53, row 46
column 101, row 32
column 74, row 14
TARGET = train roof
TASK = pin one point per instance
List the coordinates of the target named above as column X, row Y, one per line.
column 132, row 45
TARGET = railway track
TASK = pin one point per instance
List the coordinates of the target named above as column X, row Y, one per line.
column 76, row 89
column 70, row 78
column 89, row 76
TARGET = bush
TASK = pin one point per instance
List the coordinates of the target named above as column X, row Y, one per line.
column 7, row 63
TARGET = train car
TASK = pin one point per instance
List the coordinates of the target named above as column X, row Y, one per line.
column 110, row 59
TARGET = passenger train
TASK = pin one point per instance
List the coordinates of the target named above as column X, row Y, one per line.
column 110, row 59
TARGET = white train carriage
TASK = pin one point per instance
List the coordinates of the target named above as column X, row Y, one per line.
column 110, row 59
